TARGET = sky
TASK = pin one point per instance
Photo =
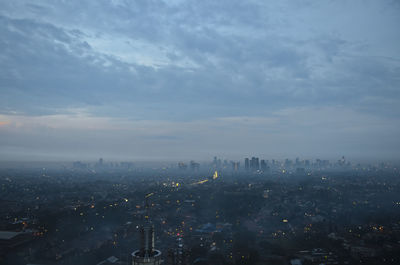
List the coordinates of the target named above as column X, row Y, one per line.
column 176, row 79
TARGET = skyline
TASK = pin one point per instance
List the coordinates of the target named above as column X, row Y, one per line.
column 157, row 80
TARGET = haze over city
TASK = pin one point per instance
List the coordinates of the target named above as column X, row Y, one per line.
column 200, row 132
column 167, row 80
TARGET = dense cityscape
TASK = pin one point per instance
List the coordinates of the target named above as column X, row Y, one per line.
column 253, row 211
column 199, row 132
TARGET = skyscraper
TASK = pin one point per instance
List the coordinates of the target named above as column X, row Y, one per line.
column 246, row 164
column 235, row 166
column 147, row 254
column 263, row 165
column 254, row 163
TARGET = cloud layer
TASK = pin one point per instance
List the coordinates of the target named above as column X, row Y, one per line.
column 195, row 71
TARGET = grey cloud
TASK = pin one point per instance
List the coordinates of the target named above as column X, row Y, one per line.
column 326, row 132
column 196, row 60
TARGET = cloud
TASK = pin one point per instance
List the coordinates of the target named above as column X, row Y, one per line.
column 307, row 132
column 175, row 63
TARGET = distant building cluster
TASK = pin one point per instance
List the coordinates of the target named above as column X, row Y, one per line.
column 263, row 166
column 254, row 164
column 101, row 165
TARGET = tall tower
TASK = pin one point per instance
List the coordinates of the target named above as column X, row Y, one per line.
column 147, row 254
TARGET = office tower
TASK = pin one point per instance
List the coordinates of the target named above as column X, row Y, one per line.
column 246, row 164
column 217, row 163
column 254, row 164
column 263, row 165
column 235, row 166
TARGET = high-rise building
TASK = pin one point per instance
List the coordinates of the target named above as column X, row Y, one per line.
column 217, row 163
column 263, row 165
column 246, row 164
column 194, row 165
column 235, row 166
column 254, row 163
column 147, row 254
column 182, row 165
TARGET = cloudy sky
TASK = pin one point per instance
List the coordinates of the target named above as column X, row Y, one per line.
column 189, row 79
